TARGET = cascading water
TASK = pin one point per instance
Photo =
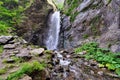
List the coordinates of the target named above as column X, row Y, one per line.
column 54, row 29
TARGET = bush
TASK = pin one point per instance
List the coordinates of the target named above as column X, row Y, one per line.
column 11, row 13
column 27, row 68
column 104, row 56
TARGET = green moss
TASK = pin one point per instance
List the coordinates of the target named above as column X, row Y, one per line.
column 1, row 78
column 85, row 36
column 27, row 68
column 34, row 46
column 109, row 1
column 48, row 51
column 1, row 49
column 73, row 16
column 16, row 59
column 59, row 4
column 70, row 11
column 3, row 71
column 8, row 66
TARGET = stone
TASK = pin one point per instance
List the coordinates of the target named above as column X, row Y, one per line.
column 38, row 51
column 92, row 72
column 82, row 53
column 93, row 63
column 10, row 60
column 68, row 56
column 24, row 41
column 86, row 63
column 16, row 52
column 26, row 77
column 9, row 46
column 84, row 5
column 12, row 54
column 115, row 48
column 5, row 39
column 11, row 42
column 110, row 38
column 64, row 62
column 24, row 54
column 100, row 72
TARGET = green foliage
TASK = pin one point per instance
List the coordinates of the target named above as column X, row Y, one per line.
column 11, row 14
column 70, row 11
column 1, row 78
column 59, row 4
column 3, row 71
column 109, row 1
column 27, row 68
column 48, row 51
column 1, row 49
column 104, row 56
column 16, row 59
column 85, row 36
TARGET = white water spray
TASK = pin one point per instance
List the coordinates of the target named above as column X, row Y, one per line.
column 53, row 33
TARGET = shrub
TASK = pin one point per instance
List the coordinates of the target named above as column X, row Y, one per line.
column 104, row 56
column 27, row 68
column 2, row 71
column 11, row 13
column 1, row 49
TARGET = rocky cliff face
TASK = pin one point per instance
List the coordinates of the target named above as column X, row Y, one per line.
column 92, row 20
column 33, row 27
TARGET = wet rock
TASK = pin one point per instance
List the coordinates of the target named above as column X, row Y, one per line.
column 59, row 55
column 26, row 77
column 66, row 22
column 5, row 39
column 38, row 51
column 9, row 46
column 64, row 62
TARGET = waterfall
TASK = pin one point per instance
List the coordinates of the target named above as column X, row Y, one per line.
column 54, row 29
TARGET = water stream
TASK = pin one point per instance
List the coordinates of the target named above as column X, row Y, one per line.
column 54, row 29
